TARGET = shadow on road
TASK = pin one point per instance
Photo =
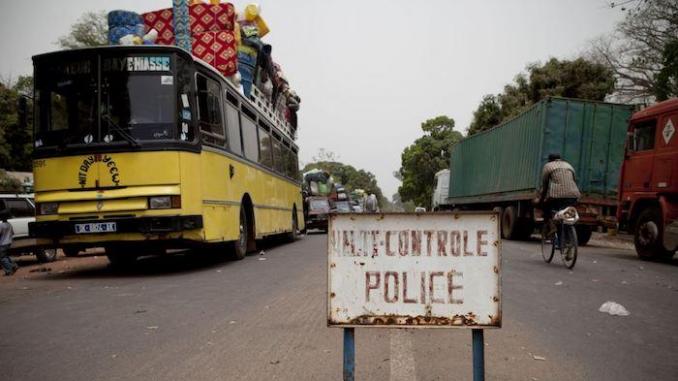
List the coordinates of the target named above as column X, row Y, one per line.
column 95, row 265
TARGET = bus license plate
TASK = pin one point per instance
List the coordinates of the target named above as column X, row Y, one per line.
column 100, row 227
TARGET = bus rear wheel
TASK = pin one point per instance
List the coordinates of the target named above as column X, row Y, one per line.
column 293, row 235
column 240, row 246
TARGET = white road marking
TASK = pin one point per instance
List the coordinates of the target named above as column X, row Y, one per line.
column 402, row 356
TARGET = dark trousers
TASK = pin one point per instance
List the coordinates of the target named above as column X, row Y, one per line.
column 5, row 260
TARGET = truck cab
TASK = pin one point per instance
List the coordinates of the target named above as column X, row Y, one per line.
column 648, row 194
column 442, row 185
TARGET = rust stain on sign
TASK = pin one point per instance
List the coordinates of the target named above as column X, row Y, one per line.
column 423, row 270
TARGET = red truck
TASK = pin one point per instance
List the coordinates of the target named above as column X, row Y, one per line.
column 648, row 190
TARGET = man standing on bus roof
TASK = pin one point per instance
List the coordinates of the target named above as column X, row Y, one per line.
column 6, row 236
column 559, row 188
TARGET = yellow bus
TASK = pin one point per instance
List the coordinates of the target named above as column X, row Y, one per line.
column 144, row 148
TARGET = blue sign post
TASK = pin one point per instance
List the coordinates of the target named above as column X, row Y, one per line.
column 349, row 354
column 478, row 354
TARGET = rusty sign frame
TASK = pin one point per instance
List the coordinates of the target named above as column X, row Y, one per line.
column 428, row 319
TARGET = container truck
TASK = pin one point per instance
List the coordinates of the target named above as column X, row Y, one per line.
column 648, row 194
column 500, row 169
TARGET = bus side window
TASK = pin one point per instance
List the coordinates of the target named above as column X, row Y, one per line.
column 644, row 135
column 287, row 157
column 233, row 128
column 294, row 165
column 249, row 138
column 278, row 158
column 265, row 157
column 209, row 111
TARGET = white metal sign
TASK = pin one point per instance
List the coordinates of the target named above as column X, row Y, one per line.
column 668, row 131
column 426, row 270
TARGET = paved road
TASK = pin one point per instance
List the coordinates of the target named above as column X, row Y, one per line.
column 199, row 317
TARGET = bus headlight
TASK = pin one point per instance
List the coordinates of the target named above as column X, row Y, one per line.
column 45, row 208
column 164, row 202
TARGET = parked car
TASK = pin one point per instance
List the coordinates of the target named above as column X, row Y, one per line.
column 22, row 211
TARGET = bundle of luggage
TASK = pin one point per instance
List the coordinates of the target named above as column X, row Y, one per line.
column 232, row 44
column 318, row 183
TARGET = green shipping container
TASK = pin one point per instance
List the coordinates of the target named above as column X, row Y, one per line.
column 504, row 163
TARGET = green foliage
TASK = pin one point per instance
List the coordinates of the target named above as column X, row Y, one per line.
column 348, row 176
column 91, row 29
column 9, row 184
column 421, row 160
column 15, row 142
column 578, row 78
column 488, row 113
column 667, row 79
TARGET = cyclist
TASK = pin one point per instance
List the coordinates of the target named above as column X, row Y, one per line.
column 558, row 191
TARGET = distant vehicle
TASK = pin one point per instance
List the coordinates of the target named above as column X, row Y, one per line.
column 318, row 209
column 500, row 169
column 648, row 190
column 420, row 209
column 342, row 207
column 22, row 211
column 440, row 191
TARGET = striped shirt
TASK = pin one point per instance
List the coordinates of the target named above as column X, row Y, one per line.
column 558, row 180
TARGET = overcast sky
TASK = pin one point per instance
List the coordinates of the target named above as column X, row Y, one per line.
column 368, row 72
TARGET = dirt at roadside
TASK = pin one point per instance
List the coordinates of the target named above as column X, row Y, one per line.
column 30, row 268
column 619, row 241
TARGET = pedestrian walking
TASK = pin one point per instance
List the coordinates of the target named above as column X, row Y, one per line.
column 6, row 236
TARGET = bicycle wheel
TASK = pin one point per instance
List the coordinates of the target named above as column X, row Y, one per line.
column 547, row 248
column 568, row 246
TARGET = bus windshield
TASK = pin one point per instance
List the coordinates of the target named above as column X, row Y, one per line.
column 79, row 102
column 140, row 105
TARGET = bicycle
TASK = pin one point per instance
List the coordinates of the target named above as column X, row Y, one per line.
column 564, row 239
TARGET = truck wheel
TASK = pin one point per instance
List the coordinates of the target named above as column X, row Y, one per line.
column 46, row 255
column 647, row 236
column 508, row 223
column 583, row 234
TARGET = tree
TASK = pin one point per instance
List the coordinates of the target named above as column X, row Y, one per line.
column 426, row 156
column 346, row 175
column 636, row 51
column 15, row 142
column 91, row 29
column 667, row 78
column 577, row 78
column 487, row 115
column 9, row 184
